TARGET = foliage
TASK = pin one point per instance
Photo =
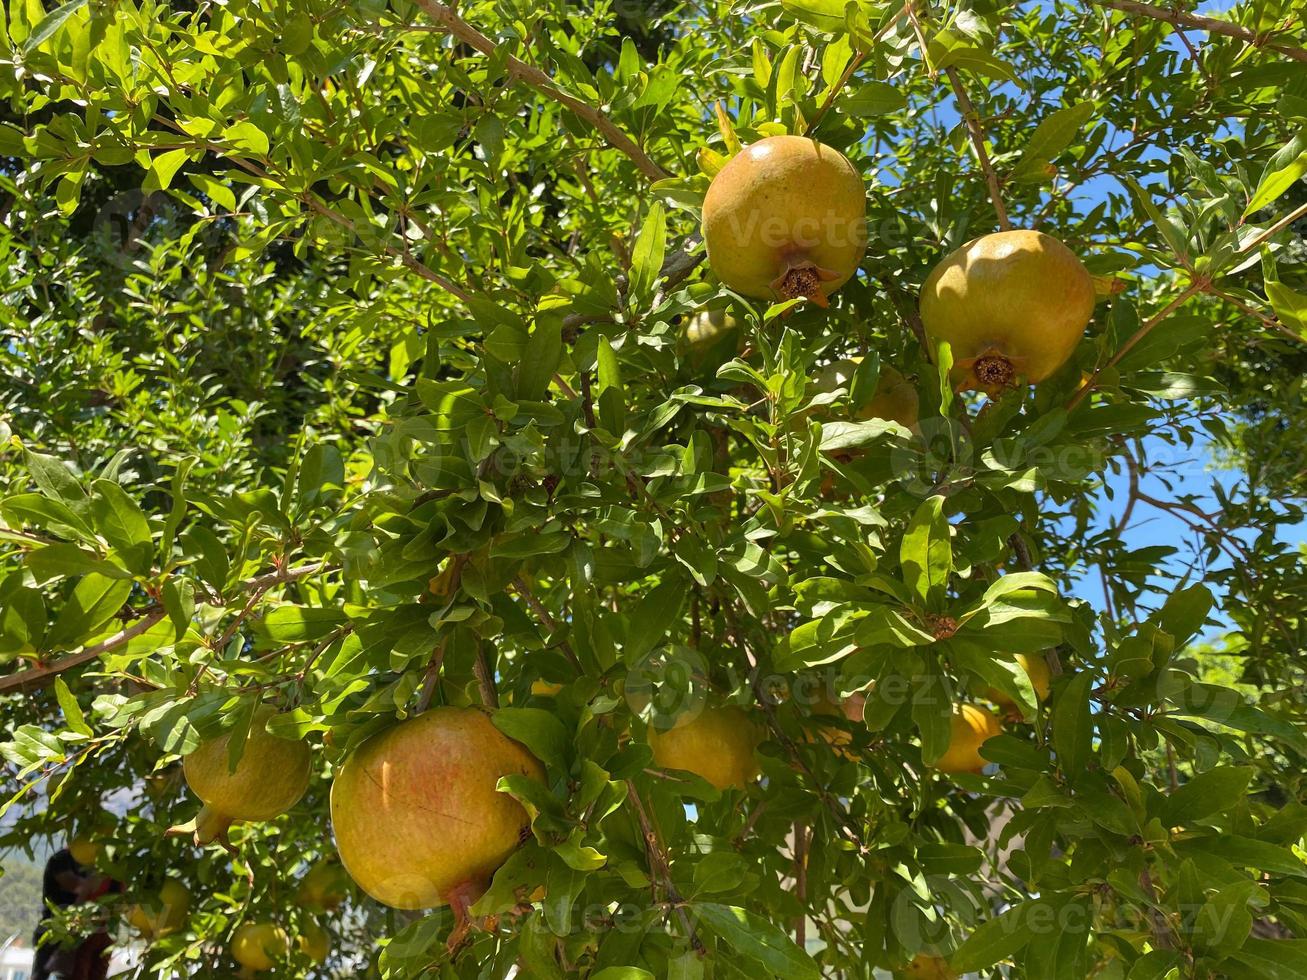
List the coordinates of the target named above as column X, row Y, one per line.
column 346, row 373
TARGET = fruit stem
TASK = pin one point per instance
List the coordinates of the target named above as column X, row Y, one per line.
column 211, row 826
column 461, row 899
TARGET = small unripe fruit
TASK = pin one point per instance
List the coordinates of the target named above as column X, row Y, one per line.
column 84, row 851
column 162, row 913
column 270, row 778
column 924, row 966
column 259, row 946
column 895, row 398
column 1012, row 305
column 717, row 744
column 786, row 217
column 710, row 339
column 971, row 727
column 314, row 942
column 1041, row 678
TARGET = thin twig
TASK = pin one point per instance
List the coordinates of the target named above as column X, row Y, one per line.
column 449, row 21
column 977, row 135
column 660, row 865
column 1279, row 226
column 537, row 607
column 1211, row 25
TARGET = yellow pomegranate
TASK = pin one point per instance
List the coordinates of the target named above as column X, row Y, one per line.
column 314, row 942
column 417, row 818
column 786, row 217
column 850, row 708
column 84, row 851
column 1036, row 668
column 545, row 689
column 971, row 727
column 924, row 966
column 895, row 399
column 1012, row 306
column 709, row 340
column 717, row 744
column 163, row 913
column 259, row 946
column 270, row 778
column 323, row 887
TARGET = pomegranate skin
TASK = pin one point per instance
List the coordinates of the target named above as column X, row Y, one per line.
column 786, row 203
column 1020, row 297
column 717, row 744
column 270, row 778
column 415, row 810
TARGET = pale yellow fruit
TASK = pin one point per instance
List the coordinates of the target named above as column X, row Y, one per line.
column 259, row 946
column 416, row 813
column 1012, row 306
column 895, row 398
column 717, row 744
column 971, row 727
column 927, row 967
column 163, row 913
column 314, row 942
column 323, row 887
column 1041, row 678
column 709, row 340
column 270, row 778
column 786, row 217
column 84, row 851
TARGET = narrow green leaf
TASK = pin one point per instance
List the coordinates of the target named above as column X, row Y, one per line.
column 759, row 940
column 926, row 553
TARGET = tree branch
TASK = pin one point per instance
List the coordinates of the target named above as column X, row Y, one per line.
column 978, row 141
column 1197, row 286
column 1211, row 25
column 451, row 23
column 45, row 674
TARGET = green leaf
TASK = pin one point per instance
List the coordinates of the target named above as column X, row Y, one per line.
column 299, row 624
column 872, row 99
column 123, row 524
column 1283, row 170
column 50, row 24
column 1273, row 959
column 647, row 256
column 1073, row 728
column 544, row 352
column 926, row 553
column 1289, row 305
column 55, row 560
column 1207, row 793
column 758, row 939
column 541, row 732
column 93, row 604
column 652, row 617
column 72, row 711
column 1053, row 135
column 1001, row 936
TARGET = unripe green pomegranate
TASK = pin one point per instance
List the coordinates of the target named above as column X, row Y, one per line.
column 786, row 217
column 1013, row 306
column 709, row 340
column 270, row 778
column 418, row 820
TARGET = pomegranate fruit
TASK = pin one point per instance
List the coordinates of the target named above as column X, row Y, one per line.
column 323, row 887
column 1012, row 305
column 850, row 708
column 258, row 946
column 84, row 851
column 717, row 744
column 314, row 942
column 924, row 966
column 786, row 217
column 1036, row 668
column 972, row 726
column 417, row 818
column 895, row 398
column 270, row 778
column 163, row 913
column 709, row 340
